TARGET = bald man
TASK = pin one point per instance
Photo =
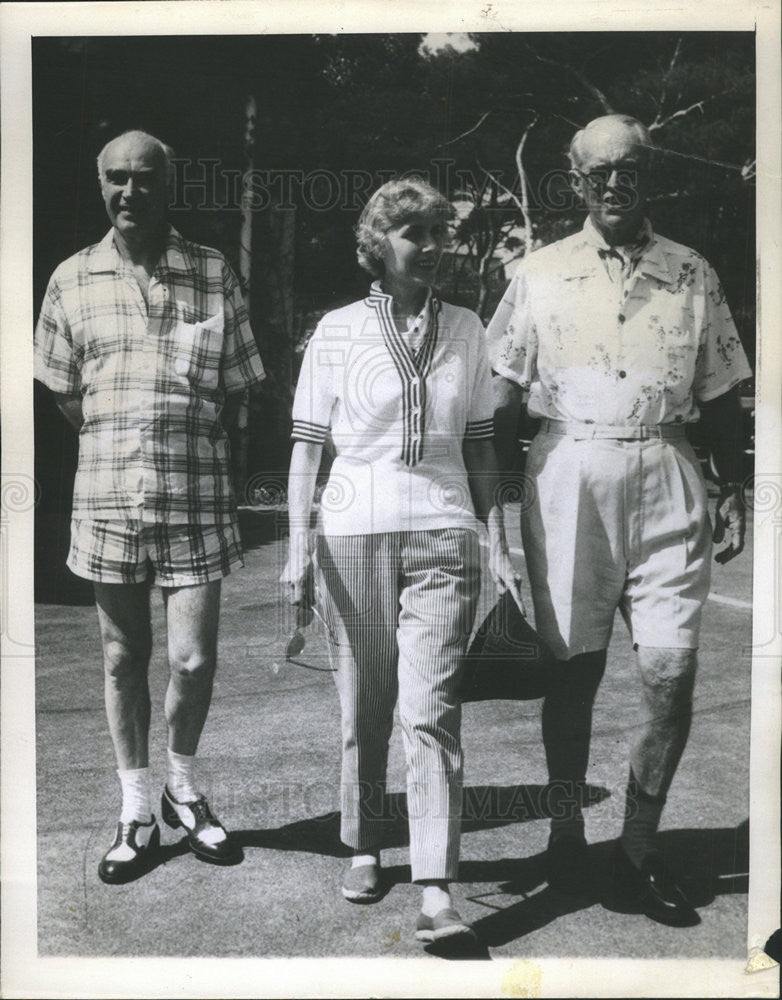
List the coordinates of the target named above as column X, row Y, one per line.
column 146, row 344
column 621, row 339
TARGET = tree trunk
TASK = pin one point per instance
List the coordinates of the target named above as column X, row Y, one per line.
column 273, row 307
column 245, row 276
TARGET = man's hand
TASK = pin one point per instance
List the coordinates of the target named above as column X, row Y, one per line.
column 70, row 407
column 503, row 573
column 730, row 522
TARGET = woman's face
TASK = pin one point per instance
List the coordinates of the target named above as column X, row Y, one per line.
column 412, row 249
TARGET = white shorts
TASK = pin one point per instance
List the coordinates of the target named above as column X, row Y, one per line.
column 616, row 524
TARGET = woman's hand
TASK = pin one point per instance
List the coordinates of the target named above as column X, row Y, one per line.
column 296, row 578
column 503, row 572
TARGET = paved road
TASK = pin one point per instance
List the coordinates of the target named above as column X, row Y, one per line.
column 271, row 769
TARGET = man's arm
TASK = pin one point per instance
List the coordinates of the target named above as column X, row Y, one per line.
column 507, row 410
column 70, row 407
column 721, row 422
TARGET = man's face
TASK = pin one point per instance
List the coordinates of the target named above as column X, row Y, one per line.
column 134, row 188
column 612, row 177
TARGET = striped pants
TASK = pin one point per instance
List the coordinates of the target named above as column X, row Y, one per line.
column 400, row 607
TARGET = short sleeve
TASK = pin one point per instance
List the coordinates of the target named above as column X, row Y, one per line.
column 57, row 361
column 315, row 397
column 509, row 332
column 480, row 416
column 721, row 363
column 242, row 366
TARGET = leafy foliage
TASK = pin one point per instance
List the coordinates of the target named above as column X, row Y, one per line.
column 337, row 115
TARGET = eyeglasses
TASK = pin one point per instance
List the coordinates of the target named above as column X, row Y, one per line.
column 627, row 175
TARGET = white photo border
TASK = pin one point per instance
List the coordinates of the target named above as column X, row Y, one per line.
column 27, row 975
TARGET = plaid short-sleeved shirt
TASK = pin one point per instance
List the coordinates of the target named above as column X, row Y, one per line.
column 153, row 379
column 643, row 350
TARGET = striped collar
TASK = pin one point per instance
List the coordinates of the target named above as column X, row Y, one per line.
column 413, row 367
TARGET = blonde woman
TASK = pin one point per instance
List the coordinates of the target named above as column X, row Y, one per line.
column 401, row 381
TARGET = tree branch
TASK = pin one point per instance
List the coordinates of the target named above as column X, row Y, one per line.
column 659, row 123
column 469, row 131
column 525, row 184
column 667, row 77
column 498, row 182
column 577, row 74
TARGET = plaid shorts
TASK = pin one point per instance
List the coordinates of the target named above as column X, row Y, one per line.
column 171, row 555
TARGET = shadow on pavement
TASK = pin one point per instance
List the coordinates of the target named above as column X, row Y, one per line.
column 708, row 863
column 484, row 807
column 259, row 527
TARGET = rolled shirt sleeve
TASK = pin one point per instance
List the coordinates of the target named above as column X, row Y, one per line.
column 241, row 366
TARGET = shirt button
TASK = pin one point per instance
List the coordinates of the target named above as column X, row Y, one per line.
column 622, row 317
column 622, row 374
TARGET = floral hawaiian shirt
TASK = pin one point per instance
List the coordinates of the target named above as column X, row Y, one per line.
column 639, row 346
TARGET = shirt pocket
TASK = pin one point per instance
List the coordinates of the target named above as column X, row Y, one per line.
column 198, row 351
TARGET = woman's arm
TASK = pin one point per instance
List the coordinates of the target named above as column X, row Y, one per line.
column 480, row 461
column 305, row 462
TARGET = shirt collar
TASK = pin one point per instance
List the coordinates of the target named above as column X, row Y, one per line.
column 635, row 247
column 376, row 291
column 175, row 256
column 645, row 248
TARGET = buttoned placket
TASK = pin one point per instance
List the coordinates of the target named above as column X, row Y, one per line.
column 621, row 284
column 409, row 364
column 144, row 478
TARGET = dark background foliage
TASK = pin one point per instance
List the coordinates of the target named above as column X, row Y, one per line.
column 337, row 115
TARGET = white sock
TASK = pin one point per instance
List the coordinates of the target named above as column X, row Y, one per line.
column 135, row 795
column 435, row 898
column 181, row 776
column 365, row 859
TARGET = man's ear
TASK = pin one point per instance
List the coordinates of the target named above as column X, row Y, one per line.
column 576, row 183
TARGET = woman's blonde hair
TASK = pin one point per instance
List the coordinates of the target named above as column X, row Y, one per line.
column 391, row 205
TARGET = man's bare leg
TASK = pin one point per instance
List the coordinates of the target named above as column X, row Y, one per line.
column 192, row 615
column 126, row 635
column 668, row 678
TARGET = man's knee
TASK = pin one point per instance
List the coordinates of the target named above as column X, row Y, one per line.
column 123, row 662
column 192, row 662
column 668, row 677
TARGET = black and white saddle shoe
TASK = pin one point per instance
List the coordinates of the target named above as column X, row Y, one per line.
column 652, row 889
column 132, row 853
column 206, row 836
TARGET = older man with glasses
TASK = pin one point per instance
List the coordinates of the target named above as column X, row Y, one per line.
column 622, row 338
